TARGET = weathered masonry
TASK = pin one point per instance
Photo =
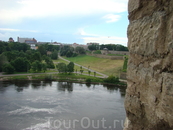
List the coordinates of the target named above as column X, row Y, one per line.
column 149, row 95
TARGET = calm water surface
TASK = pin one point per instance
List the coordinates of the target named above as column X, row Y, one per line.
column 40, row 105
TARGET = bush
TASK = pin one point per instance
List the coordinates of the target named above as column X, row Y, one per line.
column 74, row 55
column 97, row 80
column 97, row 52
column 111, row 79
column 8, row 68
column 88, row 80
column 48, row 78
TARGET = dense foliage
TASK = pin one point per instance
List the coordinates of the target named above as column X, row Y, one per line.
column 93, row 47
column 68, row 51
column 97, row 52
column 63, row 68
column 111, row 79
column 18, row 57
column 44, row 48
column 5, row 46
column 115, row 47
column 80, row 50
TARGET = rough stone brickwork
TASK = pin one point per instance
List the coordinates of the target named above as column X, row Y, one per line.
column 149, row 95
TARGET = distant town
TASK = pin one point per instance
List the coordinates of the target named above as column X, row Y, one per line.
column 34, row 44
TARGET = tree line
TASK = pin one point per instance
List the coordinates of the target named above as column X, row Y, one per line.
column 115, row 47
column 18, row 57
column 69, row 51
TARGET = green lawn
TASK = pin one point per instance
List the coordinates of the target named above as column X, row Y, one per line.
column 115, row 55
column 105, row 66
column 75, row 67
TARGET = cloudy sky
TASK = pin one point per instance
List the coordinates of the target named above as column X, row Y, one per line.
column 65, row 21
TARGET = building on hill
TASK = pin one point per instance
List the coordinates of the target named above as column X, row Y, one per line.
column 92, row 43
column 31, row 41
column 74, row 45
column 27, row 40
column 10, row 39
column 56, row 43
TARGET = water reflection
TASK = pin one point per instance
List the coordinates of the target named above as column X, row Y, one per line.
column 65, row 86
column 61, row 86
column 40, row 84
column 88, row 85
column 20, row 85
column 46, row 83
column 112, row 88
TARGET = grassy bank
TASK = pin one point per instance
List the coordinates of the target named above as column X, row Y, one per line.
column 105, row 66
column 61, row 77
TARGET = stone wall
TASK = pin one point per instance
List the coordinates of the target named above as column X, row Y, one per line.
column 105, row 52
column 149, row 95
column 107, row 57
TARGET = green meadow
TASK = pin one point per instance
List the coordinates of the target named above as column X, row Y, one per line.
column 85, row 71
column 105, row 66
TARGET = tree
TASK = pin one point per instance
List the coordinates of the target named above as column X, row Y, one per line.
column 56, row 47
column 121, row 48
column 3, row 60
column 18, row 46
column 36, row 56
column 74, row 55
column 80, row 50
column 112, row 79
column 89, row 72
column 93, row 47
column 67, row 51
column 49, row 62
column 50, row 47
column 54, row 55
column 62, row 68
column 21, row 64
column 3, row 47
column 8, row 68
column 81, row 71
column 42, row 49
column 70, row 67
column 44, row 67
column 11, row 55
column 94, row 74
column 69, row 54
column 36, row 66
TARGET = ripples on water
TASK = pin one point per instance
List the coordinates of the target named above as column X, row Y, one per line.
column 40, row 105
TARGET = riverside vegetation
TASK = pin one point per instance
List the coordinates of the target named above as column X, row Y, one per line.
column 19, row 58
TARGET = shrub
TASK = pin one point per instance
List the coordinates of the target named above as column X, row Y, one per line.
column 48, row 78
column 111, row 79
column 74, row 55
column 8, row 68
column 88, row 80
column 97, row 52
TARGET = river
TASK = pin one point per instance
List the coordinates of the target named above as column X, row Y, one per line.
column 43, row 105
